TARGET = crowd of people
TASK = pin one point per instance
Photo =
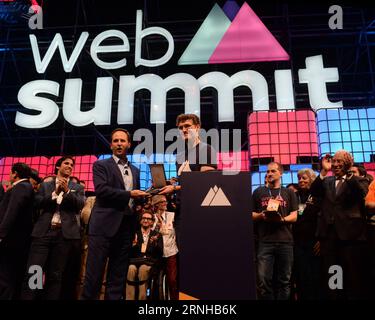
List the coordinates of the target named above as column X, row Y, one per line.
column 103, row 245
column 314, row 240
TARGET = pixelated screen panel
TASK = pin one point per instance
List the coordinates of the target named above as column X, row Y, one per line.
column 282, row 135
column 38, row 163
column 349, row 129
column 233, row 161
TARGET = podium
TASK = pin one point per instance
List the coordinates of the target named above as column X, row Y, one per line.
column 216, row 236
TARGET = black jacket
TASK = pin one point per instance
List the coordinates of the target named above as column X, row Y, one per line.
column 346, row 210
column 16, row 214
column 69, row 209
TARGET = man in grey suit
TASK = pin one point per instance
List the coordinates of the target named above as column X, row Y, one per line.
column 57, row 229
column 112, row 220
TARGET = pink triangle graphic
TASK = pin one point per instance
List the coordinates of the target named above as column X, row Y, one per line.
column 248, row 40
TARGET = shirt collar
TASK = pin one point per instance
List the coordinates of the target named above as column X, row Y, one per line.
column 18, row 181
column 120, row 161
column 341, row 178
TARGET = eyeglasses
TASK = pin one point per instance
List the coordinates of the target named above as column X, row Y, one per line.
column 150, row 219
column 186, row 126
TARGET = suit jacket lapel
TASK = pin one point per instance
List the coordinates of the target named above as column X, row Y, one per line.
column 51, row 186
column 135, row 177
column 332, row 187
column 343, row 186
column 117, row 171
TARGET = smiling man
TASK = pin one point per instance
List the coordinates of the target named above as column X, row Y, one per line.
column 342, row 225
column 112, row 220
column 57, row 229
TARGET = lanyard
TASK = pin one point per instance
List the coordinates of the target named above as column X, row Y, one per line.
column 269, row 191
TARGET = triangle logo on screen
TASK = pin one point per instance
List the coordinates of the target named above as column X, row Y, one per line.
column 215, row 198
column 232, row 35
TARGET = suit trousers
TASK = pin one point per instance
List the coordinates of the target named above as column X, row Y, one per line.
column 51, row 252
column 12, row 269
column 117, row 250
column 351, row 256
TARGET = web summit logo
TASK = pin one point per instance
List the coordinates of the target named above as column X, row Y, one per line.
column 232, row 35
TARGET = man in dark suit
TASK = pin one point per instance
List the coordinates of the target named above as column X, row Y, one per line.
column 342, row 225
column 15, row 228
column 57, row 230
column 112, row 221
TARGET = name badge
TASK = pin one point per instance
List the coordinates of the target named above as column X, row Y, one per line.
column 301, row 208
column 273, row 205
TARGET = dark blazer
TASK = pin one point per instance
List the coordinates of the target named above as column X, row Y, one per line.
column 16, row 214
column 154, row 249
column 112, row 200
column 1, row 192
column 69, row 209
column 346, row 209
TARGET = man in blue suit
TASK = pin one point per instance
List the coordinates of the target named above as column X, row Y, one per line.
column 112, row 221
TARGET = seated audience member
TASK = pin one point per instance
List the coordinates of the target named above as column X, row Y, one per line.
column 164, row 224
column 306, row 245
column 147, row 251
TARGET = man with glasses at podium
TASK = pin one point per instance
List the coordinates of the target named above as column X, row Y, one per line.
column 196, row 154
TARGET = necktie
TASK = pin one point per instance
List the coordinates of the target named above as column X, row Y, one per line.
column 339, row 185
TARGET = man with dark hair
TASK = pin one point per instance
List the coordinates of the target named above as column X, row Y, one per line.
column 15, row 228
column 147, row 251
column 57, row 230
column 358, row 170
column 112, row 221
column 60, row 161
column 342, row 225
column 274, row 209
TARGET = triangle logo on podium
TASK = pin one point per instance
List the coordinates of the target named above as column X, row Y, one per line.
column 215, row 198
column 245, row 39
